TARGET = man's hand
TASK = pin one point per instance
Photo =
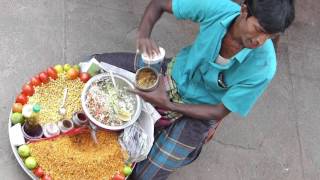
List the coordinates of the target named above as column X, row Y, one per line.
column 157, row 97
column 147, row 45
column 151, row 15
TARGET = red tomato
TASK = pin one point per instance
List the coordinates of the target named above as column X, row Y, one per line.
column 44, row 77
column 22, row 99
column 52, row 73
column 35, row 81
column 118, row 177
column 17, row 107
column 38, row 172
column 46, row 177
column 72, row 74
column 84, row 77
column 27, row 90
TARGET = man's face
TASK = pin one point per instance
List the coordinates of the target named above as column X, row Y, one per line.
column 252, row 33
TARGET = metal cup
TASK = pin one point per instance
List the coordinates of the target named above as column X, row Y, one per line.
column 79, row 119
column 51, row 129
column 150, row 87
column 65, row 125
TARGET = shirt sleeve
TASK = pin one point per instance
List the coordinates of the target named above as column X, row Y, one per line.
column 202, row 10
column 241, row 97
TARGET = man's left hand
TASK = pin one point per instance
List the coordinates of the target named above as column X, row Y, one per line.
column 157, row 97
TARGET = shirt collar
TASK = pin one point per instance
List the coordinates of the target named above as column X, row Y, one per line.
column 241, row 55
column 226, row 22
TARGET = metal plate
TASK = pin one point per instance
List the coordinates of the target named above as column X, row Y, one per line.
column 134, row 118
column 121, row 82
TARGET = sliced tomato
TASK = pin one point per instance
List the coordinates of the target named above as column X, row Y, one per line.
column 22, row 99
column 118, row 176
column 27, row 90
column 84, row 77
column 52, row 73
column 38, row 172
column 35, row 81
column 44, row 77
column 46, row 177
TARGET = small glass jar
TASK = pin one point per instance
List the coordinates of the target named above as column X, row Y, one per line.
column 51, row 129
column 79, row 119
column 147, row 79
column 143, row 60
column 31, row 133
column 65, row 125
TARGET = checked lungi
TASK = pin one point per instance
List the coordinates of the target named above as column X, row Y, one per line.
column 176, row 145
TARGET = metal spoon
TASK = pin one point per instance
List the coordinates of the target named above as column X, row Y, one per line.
column 113, row 81
column 62, row 110
column 93, row 132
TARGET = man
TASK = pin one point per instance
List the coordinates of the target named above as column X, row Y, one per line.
column 226, row 69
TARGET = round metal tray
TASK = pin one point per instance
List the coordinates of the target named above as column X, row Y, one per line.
column 135, row 117
column 121, row 81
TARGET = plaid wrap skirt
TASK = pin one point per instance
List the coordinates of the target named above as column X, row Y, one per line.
column 174, row 147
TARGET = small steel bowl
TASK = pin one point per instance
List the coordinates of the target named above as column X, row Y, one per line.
column 151, row 87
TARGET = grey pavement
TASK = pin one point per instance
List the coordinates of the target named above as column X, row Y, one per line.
column 280, row 140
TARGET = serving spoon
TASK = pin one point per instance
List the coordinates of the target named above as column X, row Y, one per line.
column 62, row 110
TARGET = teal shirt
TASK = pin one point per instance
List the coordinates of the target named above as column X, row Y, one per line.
column 195, row 72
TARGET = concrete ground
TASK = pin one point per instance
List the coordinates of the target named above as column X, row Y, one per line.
column 280, row 140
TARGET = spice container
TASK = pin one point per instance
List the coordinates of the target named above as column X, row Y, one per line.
column 36, row 132
column 79, row 119
column 147, row 79
column 144, row 60
column 31, row 128
column 51, row 129
column 65, row 125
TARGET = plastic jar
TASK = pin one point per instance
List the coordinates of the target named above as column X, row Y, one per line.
column 79, row 119
column 143, row 60
column 51, row 129
column 65, row 125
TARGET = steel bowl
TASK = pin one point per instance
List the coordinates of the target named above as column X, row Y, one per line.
column 154, row 85
column 122, row 82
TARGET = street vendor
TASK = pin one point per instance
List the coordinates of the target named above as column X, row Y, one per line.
column 226, row 69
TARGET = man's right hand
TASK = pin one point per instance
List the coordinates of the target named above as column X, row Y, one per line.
column 151, row 15
column 147, row 45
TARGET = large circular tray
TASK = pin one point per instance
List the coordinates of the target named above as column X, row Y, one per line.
column 14, row 148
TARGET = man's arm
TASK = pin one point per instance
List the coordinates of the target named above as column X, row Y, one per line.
column 203, row 112
column 151, row 15
column 159, row 98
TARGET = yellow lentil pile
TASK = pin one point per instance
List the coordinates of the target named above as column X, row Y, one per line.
column 77, row 157
column 50, row 96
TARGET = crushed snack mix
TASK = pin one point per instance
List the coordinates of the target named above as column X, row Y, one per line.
column 78, row 157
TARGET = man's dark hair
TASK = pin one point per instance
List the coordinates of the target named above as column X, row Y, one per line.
column 273, row 15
